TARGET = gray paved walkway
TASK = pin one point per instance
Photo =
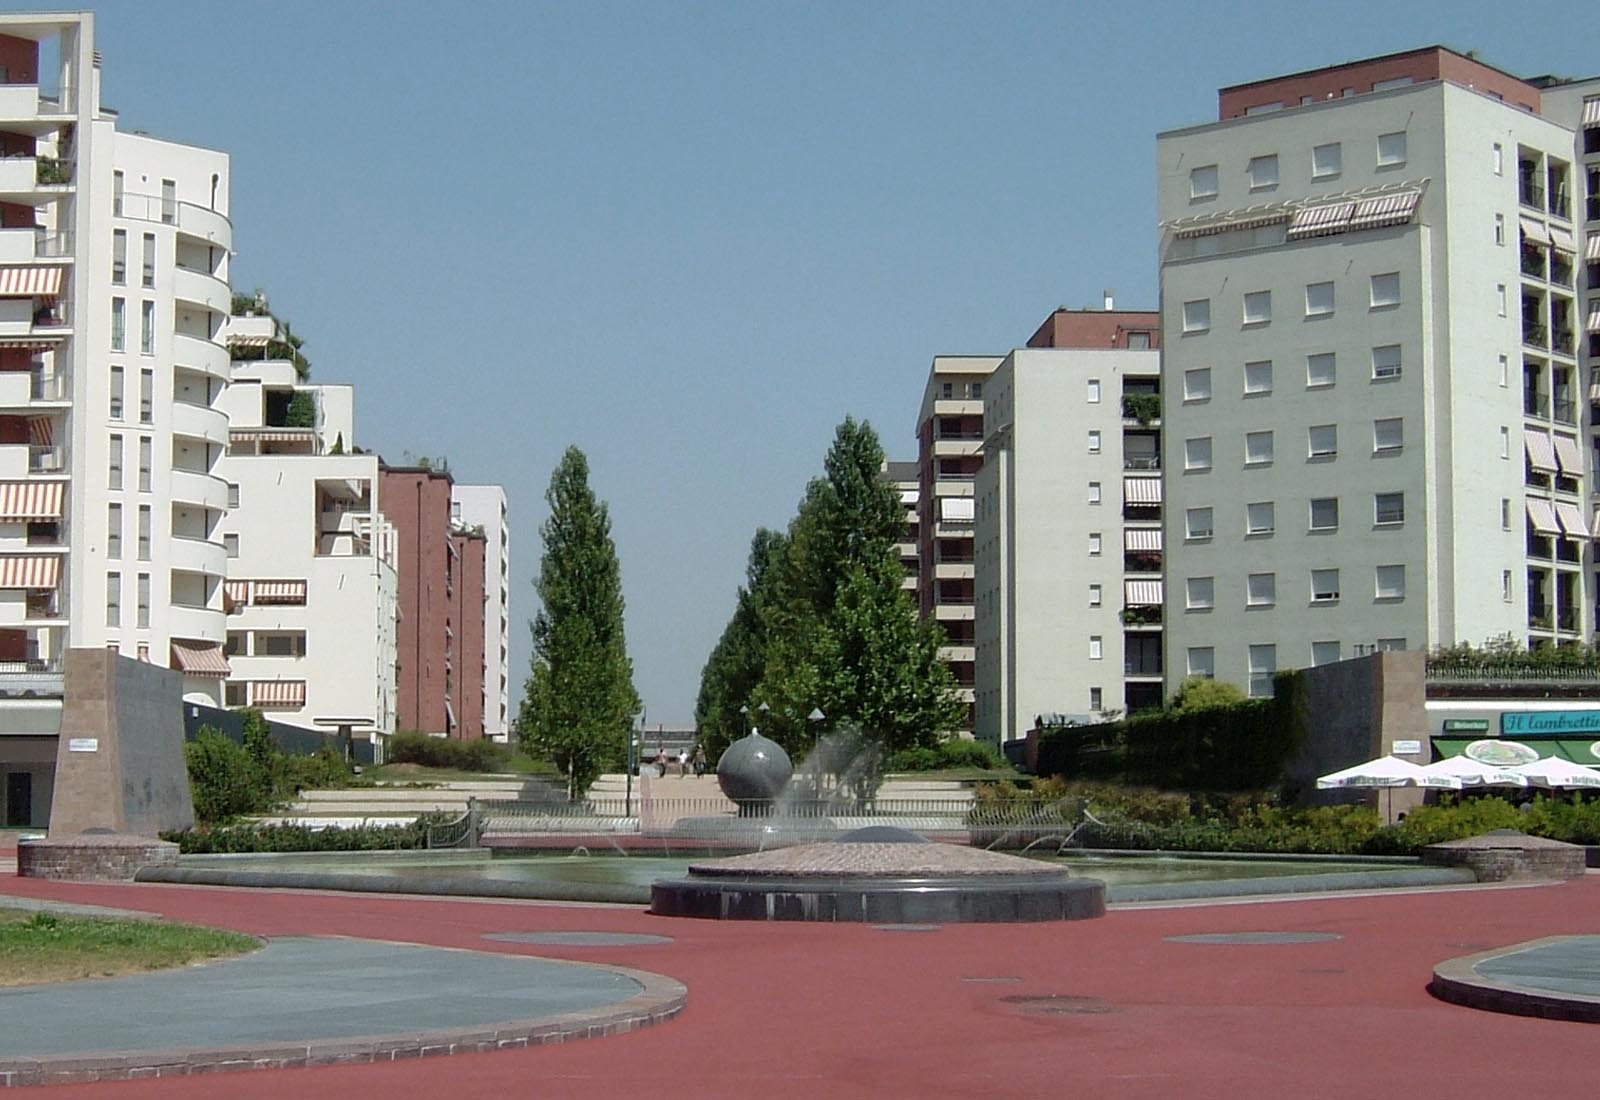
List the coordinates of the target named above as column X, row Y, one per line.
column 1556, row 978
column 299, row 990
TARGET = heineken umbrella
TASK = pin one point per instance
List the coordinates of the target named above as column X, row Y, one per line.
column 1475, row 773
column 1386, row 771
column 1553, row 771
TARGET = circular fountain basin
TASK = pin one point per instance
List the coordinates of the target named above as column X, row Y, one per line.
column 879, row 875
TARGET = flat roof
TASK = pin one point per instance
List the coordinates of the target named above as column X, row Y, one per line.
column 1420, row 50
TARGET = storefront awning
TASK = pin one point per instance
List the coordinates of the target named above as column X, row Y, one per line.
column 1385, row 210
column 1578, row 751
column 1541, row 455
column 199, row 660
column 1141, row 490
column 1142, row 593
column 37, row 571
column 1571, row 519
column 30, row 282
column 1543, row 517
column 278, row 693
column 1141, row 538
column 1321, row 221
column 25, row 500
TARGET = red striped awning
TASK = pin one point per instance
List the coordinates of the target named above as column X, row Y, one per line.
column 30, row 572
column 1228, row 224
column 1141, row 538
column 271, row 435
column 41, row 431
column 278, row 693
column 1141, row 490
column 1385, row 210
column 1591, row 111
column 30, row 343
column 237, row 591
column 199, row 660
column 21, row 500
column 1142, row 593
column 243, row 341
column 1321, row 221
column 30, row 282
column 280, row 592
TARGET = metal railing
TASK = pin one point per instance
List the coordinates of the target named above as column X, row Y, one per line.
column 39, row 678
column 1510, row 672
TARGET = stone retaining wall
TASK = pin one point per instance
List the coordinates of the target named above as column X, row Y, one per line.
column 97, row 856
column 1501, row 858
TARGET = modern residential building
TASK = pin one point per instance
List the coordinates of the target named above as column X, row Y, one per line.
column 483, row 508
column 906, row 480
column 1370, row 302
column 1068, row 526
column 311, row 594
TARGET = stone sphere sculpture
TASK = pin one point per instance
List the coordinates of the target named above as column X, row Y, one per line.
column 754, row 770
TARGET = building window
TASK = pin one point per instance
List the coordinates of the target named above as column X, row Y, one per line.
column 169, row 202
column 119, row 324
column 1322, row 441
column 116, row 193
column 147, row 383
column 148, row 262
column 1500, row 229
column 1391, row 582
column 1096, row 699
column 1386, row 361
column 236, row 644
column 147, row 328
column 1261, row 589
column 113, row 530
column 1197, row 453
column 975, row 391
column 1259, row 518
column 1197, row 384
column 1093, row 391
column 1324, row 586
column 1257, row 448
column 1197, row 523
column 233, row 495
column 1326, row 161
column 1320, row 370
column 114, row 469
column 1389, row 508
column 1505, row 513
column 1500, row 298
column 144, row 463
column 1505, row 372
column 119, row 257
column 1506, row 590
column 1095, row 595
column 1094, row 544
column 1263, row 663
column 1257, row 307
column 1197, row 315
column 113, row 599
column 116, row 393
column 1499, row 160
column 1200, row 593
column 1203, row 182
column 1324, row 513
column 1094, row 492
column 236, row 693
column 947, row 390
column 1319, row 299
column 142, row 611
column 230, row 543
column 1096, row 647
column 1385, row 290
column 1388, row 435
column 1258, row 377
column 1391, row 149
column 1324, row 653
column 144, row 532
column 1094, row 442
column 1202, row 662
column 1138, row 341
column 1263, row 172
column 1505, row 442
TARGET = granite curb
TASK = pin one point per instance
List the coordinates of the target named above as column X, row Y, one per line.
column 1459, row 981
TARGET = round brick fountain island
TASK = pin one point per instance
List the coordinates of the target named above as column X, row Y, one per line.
column 879, row 875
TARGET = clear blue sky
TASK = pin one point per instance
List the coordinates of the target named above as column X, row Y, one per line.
column 689, row 237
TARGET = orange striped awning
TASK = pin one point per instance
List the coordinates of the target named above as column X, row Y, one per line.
column 243, row 341
column 41, row 431
column 31, row 499
column 280, row 591
column 1321, row 221
column 1385, row 210
column 30, row 343
column 199, row 660
column 30, row 282
column 30, row 572
column 237, row 591
column 278, row 693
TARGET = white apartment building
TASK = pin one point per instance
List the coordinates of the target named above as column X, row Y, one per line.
column 311, row 589
column 1068, row 540
column 1377, row 433
column 906, row 480
column 484, row 507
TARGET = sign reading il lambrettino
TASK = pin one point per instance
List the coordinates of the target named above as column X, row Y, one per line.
column 1549, row 723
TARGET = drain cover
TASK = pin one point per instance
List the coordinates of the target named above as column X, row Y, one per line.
column 577, row 939
column 1059, row 1004
column 1256, row 937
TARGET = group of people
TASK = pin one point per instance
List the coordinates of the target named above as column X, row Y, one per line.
column 684, row 760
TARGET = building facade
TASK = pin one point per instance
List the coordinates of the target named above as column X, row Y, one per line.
column 483, row 508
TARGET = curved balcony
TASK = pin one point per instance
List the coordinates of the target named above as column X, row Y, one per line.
column 204, row 356
column 189, row 487
column 198, row 556
column 205, row 224
column 201, row 289
column 199, row 422
column 199, row 624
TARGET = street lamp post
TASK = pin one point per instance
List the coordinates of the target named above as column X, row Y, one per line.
column 633, row 761
column 815, row 718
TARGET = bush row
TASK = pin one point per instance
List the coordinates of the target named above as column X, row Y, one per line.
column 227, row 779
column 230, row 839
column 409, row 747
column 956, row 753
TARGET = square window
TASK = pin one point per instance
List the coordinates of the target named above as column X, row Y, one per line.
column 1326, row 160
column 1319, row 299
column 1261, row 589
column 1203, row 182
column 1263, row 172
column 1258, row 377
column 1202, row 662
column 1389, row 508
column 1386, row 361
column 1197, row 523
column 1320, row 370
column 1324, row 513
column 1259, row 518
column 1388, row 435
column 1385, row 290
column 1197, row 453
column 1322, row 441
column 1197, row 384
column 1391, row 582
column 1200, row 593
column 1197, row 315
column 1257, row 448
column 1324, row 586
column 1094, row 442
column 1324, row 653
column 1257, row 307
column 1391, row 149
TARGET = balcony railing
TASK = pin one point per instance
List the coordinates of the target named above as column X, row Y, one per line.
column 1530, row 192
column 46, row 460
column 1535, row 403
column 1533, row 262
column 1567, row 619
column 1566, row 411
column 1563, row 341
column 54, row 171
column 1141, row 615
column 1561, row 203
column 1141, row 462
column 47, row 244
column 1536, row 334
column 37, row 678
column 1515, row 672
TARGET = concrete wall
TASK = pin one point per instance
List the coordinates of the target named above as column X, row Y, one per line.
column 1355, row 711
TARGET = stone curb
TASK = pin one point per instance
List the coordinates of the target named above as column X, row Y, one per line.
column 1459, row 982
column 660, row 1000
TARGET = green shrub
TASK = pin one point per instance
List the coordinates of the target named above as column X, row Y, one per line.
column 244, row 838
column 224, row 780
column 411, row 747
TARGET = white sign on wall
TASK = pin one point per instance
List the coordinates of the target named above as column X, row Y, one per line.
column 83, row 744
column 1405, row 748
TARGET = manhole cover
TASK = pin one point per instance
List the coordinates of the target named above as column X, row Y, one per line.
column 907, row 927
column 577, row 939
column 1256, row 937
column 1058, row 1004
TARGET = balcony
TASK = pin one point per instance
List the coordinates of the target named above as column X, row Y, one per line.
column 1142, row 407
column 1532, row 262
column 1535, row 334
column 201, row 624
column 1567, row 619
column 954, row 571
column 955, row 654
column 47, row 460
column 957, row 445
column 1142, row 616
column 1566, row 411
column 35, row 679
column 204, row 490
column 202, row 289
column 1143, row 561
column 189, row 219
column 1539, row 616
column 200, row 422
column 205, row 356
column 1535, row 403
column 19, row 179
column 1530, row 192
column 1141, row 462
column 198, row 556
column 1562, row 341
column 946, row 611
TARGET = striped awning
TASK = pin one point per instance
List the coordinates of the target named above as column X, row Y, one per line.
column 278, row 693
column 1593, row 324
column 1541, row 455
column 30, row 343
column 41, row 431
column 30, row 572
column 1229, row 224
column 1592, row 251
column 1141, row 538
column 957, row 510
column 1534, row 231
column 1562, row 240
column 1385, row 210
column 271, row 435
column 199, row 660
column 30, row 282
column 31, row 499
column 1591, row 111
column 243, row 341
column 1568, row 457
column 237, row 591
column 1321, row 221
column 1543, row 517
column 280, row 591
column 1141, row 490
column 1571, row 518
column 1142, row 593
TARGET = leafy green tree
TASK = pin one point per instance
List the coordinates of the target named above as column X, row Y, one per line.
column 579, row 702
column 302, row 411
column 1201, row 693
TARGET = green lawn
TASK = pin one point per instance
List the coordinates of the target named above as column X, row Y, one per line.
column 50, row 947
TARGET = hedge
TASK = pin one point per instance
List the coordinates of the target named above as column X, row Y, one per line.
column 247, row 837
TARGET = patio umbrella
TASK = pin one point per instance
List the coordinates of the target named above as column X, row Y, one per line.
column 1553, row 771
column 1386, row 771
column 1475, row 773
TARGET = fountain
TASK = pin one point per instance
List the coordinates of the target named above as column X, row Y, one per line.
column 754, row 772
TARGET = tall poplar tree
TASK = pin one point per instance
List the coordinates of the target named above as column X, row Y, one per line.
column 579, row 703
